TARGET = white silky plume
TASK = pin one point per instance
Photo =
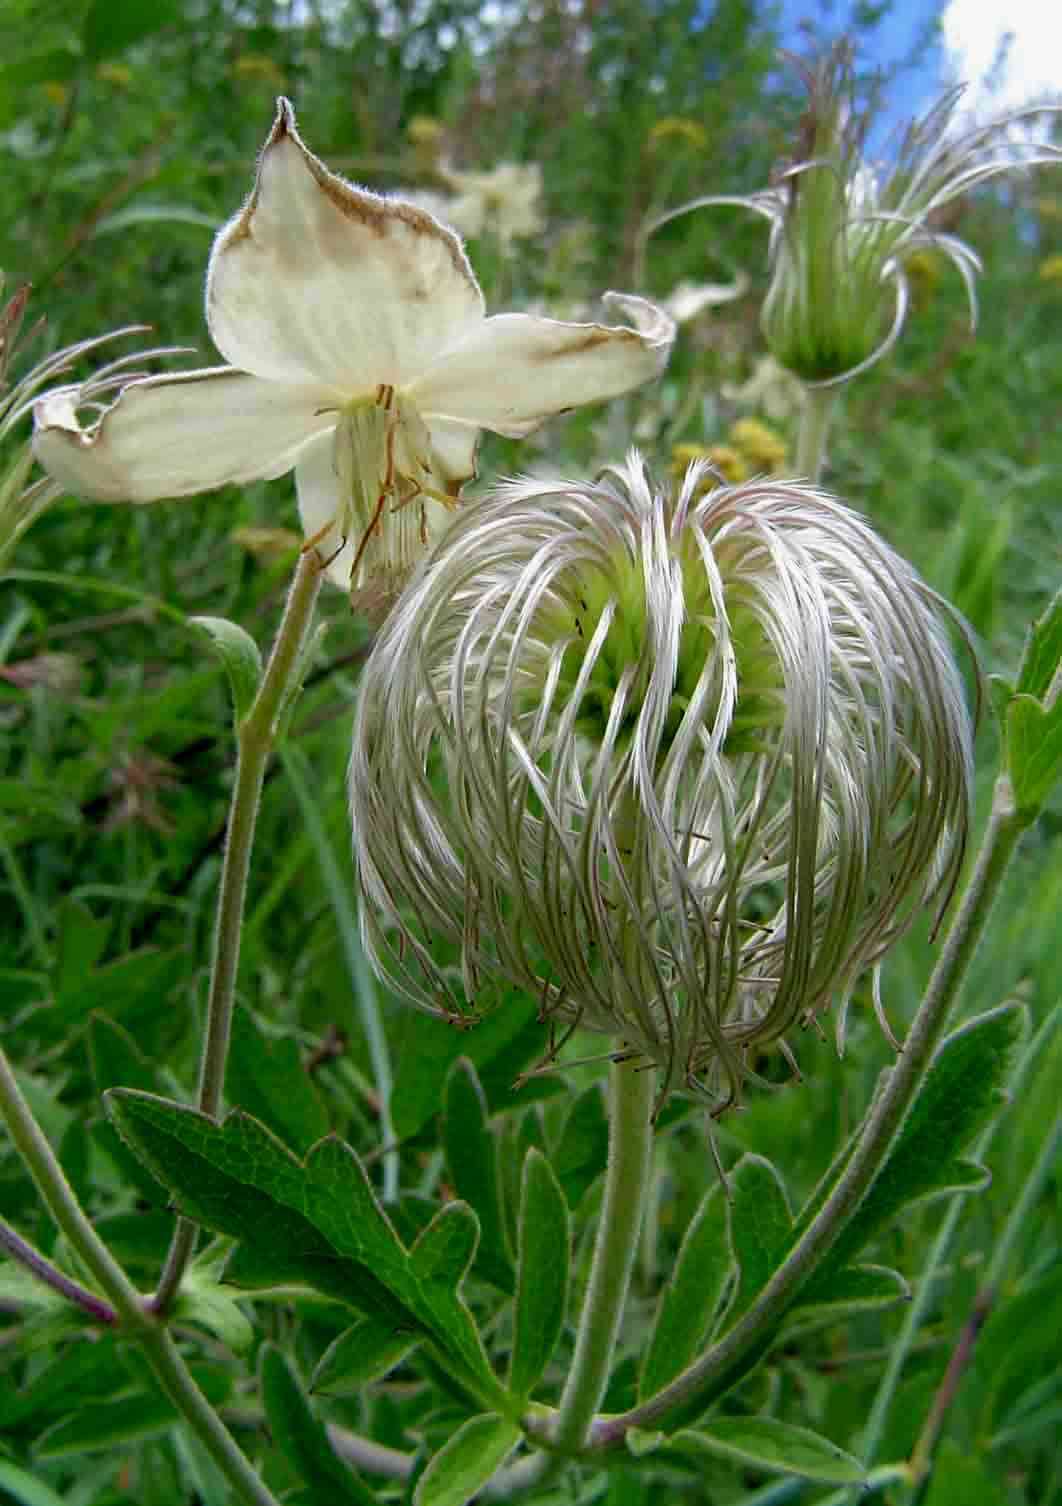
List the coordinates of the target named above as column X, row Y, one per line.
column 681, row 766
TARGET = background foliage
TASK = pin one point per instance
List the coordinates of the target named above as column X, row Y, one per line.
column 127, row 135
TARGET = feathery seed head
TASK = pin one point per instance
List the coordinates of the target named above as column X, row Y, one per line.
column 681, row 764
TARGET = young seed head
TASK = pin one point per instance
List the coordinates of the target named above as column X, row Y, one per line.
column 681, row 764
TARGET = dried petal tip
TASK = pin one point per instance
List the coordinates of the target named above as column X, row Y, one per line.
column 681, row 766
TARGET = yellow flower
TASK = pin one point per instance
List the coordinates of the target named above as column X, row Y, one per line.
column 727, row 464
column 115, row 73
column 1051, row 269
column 678, row 126
column 759, row 444
column 257, row 68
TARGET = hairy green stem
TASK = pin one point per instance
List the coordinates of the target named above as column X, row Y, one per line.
column 631, row 1088
column 30, row 1258
column 256, row 735
column 883, row 1122
column 134, row 1314
column 819, row 404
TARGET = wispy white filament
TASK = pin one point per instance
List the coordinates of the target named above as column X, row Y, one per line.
column 680, row 766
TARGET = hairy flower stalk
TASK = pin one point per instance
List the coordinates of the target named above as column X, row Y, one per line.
column 844, row 230
column 681, row 765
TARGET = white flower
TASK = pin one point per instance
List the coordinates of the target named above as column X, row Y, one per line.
column 770, row 390
column 360, row 355
column 506, row 200
column 681, row 767
column 688, row 299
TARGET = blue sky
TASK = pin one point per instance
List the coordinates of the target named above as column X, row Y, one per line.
column 967, row 47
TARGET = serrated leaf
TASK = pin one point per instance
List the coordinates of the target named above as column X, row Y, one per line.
column 472, row 1160
column 1043, row 652
column 267, row 1078
column 542, row 1274
column 961, row 1093
column 776, row 1447
column 240, row 656
column 465, row 1464
column 325, row 1225
column 579, row 1157
column 302, row 1439
column 363, row 1353
column 760, row 1227
column 689, row 1301
column 1034, row 751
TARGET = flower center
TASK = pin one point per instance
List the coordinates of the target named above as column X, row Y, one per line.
column 383, row 462
column 627, row 646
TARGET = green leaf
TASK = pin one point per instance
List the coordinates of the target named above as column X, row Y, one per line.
column 1000, row 693
column 776, row 1447
column 961, row 1478
column 465, row 1464
column 82, row 939
column 302, row 1439
column 126, row 1419
column 266, row 1077
column 1034, row 751
column 87, row 1368
column 135, row 984
column 1018, row 1345
column 212, row 1305
column 472, row 1159
column 117, row 1061
column 110, row 28
column 325, row 1225
column 760, row 1227
column 363, row 1353
column 961, row 1093
column 855, row 1288
column 1043, row 652
column 24, row 1489
column 158, row 214
column 580, row 1154
column 238, row 652
column 444, row 1250
column 689, row 1302
column 542, row 1274
column 429, row 1048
